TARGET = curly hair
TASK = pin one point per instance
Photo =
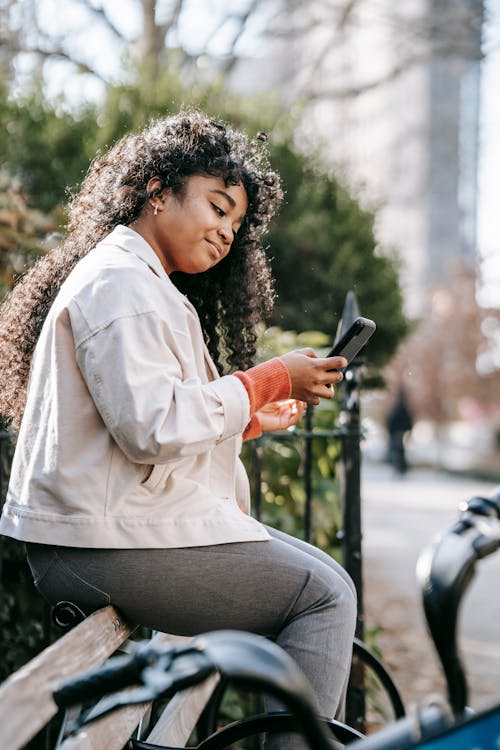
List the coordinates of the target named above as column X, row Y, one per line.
column 231, row 298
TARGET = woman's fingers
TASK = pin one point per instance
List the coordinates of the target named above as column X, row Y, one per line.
column 293, row 410
column 312, row 376
column 308, row 352
column 298, row 408
column 335, row 363
column 301, row 407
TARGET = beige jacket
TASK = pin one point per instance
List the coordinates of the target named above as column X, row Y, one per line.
column 130, row 438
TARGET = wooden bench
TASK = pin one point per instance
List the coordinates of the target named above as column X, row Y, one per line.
column 26, row 703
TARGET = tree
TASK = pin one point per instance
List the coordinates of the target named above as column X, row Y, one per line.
column 158, row 39
column 154, row 40
column 437, row 363
column 322, row 246
column 326, row 66
column 45, row 148
column 23, row 231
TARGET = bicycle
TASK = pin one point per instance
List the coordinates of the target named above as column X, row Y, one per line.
column 445, row 570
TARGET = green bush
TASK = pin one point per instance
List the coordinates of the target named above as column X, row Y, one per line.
column 22, row 611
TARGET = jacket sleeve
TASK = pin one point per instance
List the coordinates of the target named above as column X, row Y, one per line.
column 153, row 411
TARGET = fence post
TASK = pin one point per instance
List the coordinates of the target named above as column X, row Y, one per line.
column 308, row 462
column 350, row 467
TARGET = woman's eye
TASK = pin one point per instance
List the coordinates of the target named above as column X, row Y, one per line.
column 218, row 210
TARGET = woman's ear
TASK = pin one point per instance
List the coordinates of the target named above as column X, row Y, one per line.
column 154, row 186
column 155, row 189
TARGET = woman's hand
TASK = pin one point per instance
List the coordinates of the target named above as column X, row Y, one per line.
column 280, row 415
column 313, row 377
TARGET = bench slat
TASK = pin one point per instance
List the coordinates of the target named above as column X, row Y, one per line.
column 175, row 725
column 111, row 732
column 26, row 696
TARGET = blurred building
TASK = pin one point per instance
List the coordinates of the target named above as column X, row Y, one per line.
column 394, row 94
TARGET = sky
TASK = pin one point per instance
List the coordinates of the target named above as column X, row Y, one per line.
column 197, row 25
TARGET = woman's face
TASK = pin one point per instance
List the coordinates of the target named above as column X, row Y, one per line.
column 194, row 230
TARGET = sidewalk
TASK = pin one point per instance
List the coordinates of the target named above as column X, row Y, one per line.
column 400, row 516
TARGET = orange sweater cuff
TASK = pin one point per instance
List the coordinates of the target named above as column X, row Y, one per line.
column 253, row 429
column 266, row 383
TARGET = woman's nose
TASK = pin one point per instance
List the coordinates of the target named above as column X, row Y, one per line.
column 226, row 232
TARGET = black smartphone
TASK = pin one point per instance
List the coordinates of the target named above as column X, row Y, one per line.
column 353, row 339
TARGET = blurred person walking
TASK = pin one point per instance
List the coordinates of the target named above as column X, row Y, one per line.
column 399, row 424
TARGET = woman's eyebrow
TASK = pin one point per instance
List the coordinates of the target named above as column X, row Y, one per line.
column 225, row 195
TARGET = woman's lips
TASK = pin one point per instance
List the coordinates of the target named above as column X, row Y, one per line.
column 217, row 251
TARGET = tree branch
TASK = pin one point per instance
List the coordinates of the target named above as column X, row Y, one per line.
column 335, row 15
column 230, row 62
column 174, row 17
column 354, row 91
column 59, row 53
column 100, row 13
column 345, row 16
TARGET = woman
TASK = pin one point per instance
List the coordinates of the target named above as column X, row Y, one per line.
column 126, row 483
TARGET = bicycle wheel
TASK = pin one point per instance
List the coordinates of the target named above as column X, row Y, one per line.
column 380, row 701
column 373, row 700
column 246, row 730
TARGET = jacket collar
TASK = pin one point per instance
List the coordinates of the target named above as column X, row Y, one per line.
column 129, row 240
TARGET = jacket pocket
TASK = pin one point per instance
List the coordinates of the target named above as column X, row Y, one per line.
column 154, row 476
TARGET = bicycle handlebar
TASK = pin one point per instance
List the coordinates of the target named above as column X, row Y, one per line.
column 116, row 674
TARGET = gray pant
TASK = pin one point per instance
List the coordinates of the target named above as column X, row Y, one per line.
column 283, row 588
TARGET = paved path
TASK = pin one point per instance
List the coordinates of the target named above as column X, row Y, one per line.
column 400, row 517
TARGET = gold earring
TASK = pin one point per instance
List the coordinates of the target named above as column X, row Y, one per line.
column 155, row 212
